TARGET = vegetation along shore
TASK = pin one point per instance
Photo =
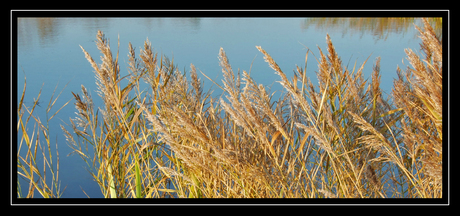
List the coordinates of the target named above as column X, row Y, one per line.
column 160, row 134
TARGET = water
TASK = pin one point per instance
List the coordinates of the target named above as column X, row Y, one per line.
column 49, row 54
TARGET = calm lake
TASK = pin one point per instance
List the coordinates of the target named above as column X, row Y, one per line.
column 49, row 55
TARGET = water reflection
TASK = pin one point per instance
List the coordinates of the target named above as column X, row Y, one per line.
column 49, row 29
column 46, row 30
column 380, row 28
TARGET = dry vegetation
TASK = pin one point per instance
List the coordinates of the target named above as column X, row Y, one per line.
column 338, row 139
column 29, row 166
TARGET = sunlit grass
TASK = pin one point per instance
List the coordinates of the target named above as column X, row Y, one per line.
column 37, row 140
column 339, row 138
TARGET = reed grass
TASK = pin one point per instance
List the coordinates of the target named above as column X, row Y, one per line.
column 37, row 140
column 341, row 138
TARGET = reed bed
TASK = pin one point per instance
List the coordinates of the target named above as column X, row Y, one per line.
column 341, row 138
column 37, row 140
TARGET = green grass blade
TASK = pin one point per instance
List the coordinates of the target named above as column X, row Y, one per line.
column 113, row 193
column 138, row 180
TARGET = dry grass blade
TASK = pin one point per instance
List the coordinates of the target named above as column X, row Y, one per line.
column 418, row 92
column 28, row 168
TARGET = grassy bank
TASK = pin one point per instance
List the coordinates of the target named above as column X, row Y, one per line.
column 337, row 138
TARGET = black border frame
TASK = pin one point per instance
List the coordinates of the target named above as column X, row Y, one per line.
column 444, row 13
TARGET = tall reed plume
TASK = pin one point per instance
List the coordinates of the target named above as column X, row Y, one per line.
column 167, row 137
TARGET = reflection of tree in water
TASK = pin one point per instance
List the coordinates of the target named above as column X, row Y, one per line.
column 46, row 30
column 380, row 28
